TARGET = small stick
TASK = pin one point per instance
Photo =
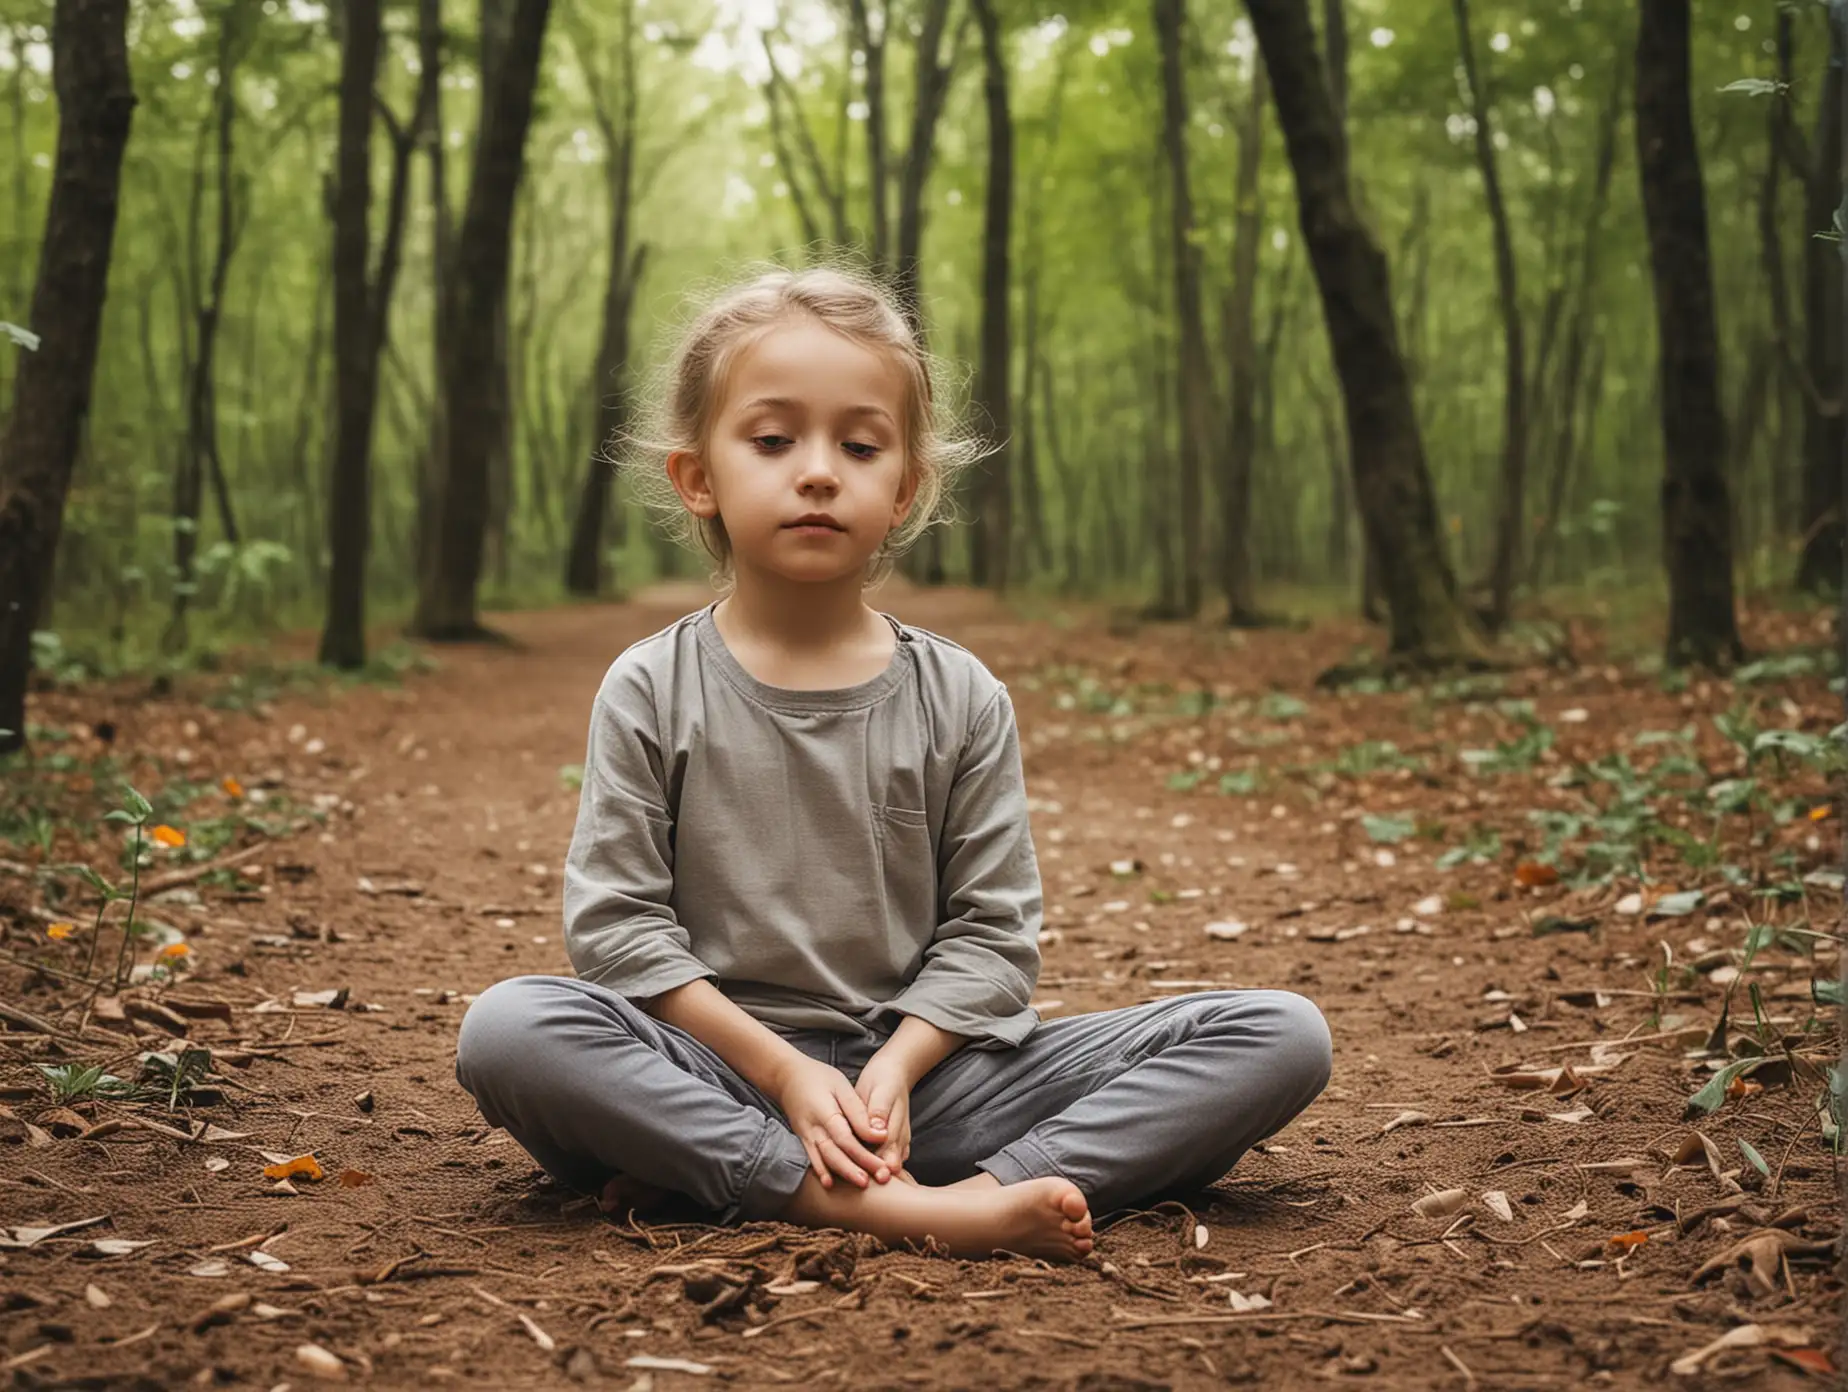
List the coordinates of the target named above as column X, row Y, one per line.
column 1337, row 1316
column 173, row 879
column 1458, row 1364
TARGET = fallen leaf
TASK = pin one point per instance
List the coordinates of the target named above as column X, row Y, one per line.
column 1763, row 1253
column 1201, row 1236
column 219, row 1311
column 302, row 1166
column 320, row 1362
column 217, row 1163
column 648, row 1362
column 26, row 1236
column 1812, row 1361
column 1442, row 1204
column 1573, row 1117
column 1695, row 1147
column 1497, row 1202
column 214, row 1134
column 352, row 1179
column 118, row 1246
column 1677, row 905
column 263, row 1261
column 311, row 1000
column 1630, row 1241
column 1740, row 1336
column 1246, row 1304
column 270, row 1312
column 1577, row 1212
column 60, row 931
column 1531, row 874
column 1711, row 1097
column 209, row 1270
column 1405, row 1119
column 97, row 1298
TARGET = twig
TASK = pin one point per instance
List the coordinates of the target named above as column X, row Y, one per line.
column 1458, row 1364
column 1336, row 1316
column 173, row 879
column 1072, row 1339
column 32, row 1024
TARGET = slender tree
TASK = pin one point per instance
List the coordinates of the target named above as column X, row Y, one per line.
column 616, row 121
column 1510, row 508
column 51, row 393
column 1194, row 378
column 446, row 602
column 1696, row 529
column 994, row 525
column 1429, row 622
column 362, row 317
column 932, row 71
column 1242, row 350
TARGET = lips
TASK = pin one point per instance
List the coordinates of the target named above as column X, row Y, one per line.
column 816, row 519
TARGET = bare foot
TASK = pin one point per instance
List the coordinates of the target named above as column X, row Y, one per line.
column 1040, row 1218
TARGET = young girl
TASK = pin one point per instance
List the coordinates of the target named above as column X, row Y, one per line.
column 801, row 898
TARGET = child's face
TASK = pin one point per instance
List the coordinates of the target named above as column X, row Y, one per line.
column 806, row 461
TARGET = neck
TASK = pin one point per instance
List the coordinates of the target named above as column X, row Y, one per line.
column 795, row 614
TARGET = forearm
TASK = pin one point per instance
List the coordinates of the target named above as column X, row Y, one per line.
column 917, row 1046
column 753, row 1050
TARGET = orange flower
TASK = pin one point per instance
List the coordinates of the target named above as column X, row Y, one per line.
column 1630, row 1241
column 1819, row 813
column 172, row 952
column 60, row 931
column 232, row 787
column 168, row 836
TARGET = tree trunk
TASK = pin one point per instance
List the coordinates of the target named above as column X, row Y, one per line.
column 932, row 85
column 1242, row 350
column 878, row 176
column 1429, row 622
column 51, row 397
column 584, row 568
column 1819, row 568
column 446, row 604
column 442, row 256
column 1511, row 506
column 362, row 317
column 1578, row 334
column 1696, row 537
column 994, row 523
column 200, row 462
column 1193, row 375
column 1335, row 41
column 349, row 508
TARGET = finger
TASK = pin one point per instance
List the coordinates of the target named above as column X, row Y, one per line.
column 841, row 1165
column 816, row 1167
column 853, row 1108
column 842, row 1135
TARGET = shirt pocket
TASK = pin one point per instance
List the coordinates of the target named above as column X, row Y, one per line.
column 908, row 866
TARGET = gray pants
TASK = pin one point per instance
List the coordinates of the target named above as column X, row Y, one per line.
column 1124, row 1103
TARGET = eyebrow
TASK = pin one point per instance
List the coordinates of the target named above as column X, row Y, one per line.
column 785, row 403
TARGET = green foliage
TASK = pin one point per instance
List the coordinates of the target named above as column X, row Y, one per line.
column 74, row 1082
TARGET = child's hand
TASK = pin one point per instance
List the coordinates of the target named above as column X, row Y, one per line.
column 885, row 1087
column 829, row 1119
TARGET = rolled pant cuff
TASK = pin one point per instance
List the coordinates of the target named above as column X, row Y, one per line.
column 774, row 1175
column 1019, row 1162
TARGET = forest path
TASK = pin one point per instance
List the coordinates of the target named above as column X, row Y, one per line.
column 436, row 873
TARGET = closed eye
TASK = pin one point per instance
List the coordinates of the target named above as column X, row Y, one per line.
column 771, row 444
column 859, row 449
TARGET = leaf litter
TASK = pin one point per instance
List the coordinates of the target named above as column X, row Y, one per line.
column 1609, row 1034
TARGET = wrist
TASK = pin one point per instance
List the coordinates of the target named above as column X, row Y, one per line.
column 782, row 1067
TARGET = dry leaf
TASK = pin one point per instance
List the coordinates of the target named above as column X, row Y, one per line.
column 1201, row 1236
column 320, row 1362
column 219, row 1311
column 270, row 1312
column 1442, row 1204
column 1630, row 1241
column 27, row 1236
column 300, row 1166
column 1247, row 1304
column 352, row 1179
column 209, row 1269
column 1497, row 1202
column 214, row 1134
column 1577, row 1211
column 1764, row 1253
column 1741, row 1336
column 264, row 1261
column 117, row 1246
column 217, row 1163
column 650, row 1363
column 1531, row 874
column 97, row 1298
column 310, row 1000
column 1812, row 1361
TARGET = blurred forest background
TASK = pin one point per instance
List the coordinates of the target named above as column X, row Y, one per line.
column 465, row 232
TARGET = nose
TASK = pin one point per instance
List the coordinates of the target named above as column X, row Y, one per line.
column 816, row 471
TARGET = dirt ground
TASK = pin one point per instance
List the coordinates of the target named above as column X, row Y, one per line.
column 1205, row 817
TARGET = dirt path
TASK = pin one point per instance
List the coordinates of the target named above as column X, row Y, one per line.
column 435, row 873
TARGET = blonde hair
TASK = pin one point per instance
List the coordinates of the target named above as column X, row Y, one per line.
column 678, row 413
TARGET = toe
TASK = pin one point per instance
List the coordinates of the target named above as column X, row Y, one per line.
column 1072, row 1204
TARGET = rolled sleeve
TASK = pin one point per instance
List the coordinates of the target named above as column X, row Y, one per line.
column 621, row 930
column 983, row 960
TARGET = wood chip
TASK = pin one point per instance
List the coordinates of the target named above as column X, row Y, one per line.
column 1497, row 1203
column 649, row 1363
column 1442, row 1204
column 319, row 1362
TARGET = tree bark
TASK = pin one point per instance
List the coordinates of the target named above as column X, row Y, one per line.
column 442, row 256
column 932, row 84
column 994, row 521
column 51, row 397
column 1696, row 531
column 446, row 605
column 878, row 174
column 1193, row 378
column 1242, row 350
column 1819, row 567
column 349, row 508
column 1511, row 506
column 1429, row 623
column 585, row 572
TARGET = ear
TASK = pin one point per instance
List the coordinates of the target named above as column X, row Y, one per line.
column 907, row 495
column 693, row 482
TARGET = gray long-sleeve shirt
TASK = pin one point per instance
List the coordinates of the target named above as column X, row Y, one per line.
column 830, row 859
